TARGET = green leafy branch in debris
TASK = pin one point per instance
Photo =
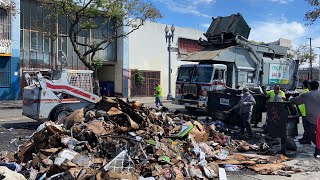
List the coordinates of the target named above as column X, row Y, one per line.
column 138, row 77
column 108, row 20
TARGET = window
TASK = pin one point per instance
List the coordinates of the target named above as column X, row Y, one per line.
column 202, row 74
column 5, row 78
column 185, row 74
column 38, row 50
column 216, row 75
column 242, row 77
column 5, row 32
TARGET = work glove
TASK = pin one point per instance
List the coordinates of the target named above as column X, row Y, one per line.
column 245, row 103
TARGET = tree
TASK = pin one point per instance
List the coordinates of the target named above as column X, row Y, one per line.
column 302, row 54
column 312, row 15
column 86, row 15
column 256, row 43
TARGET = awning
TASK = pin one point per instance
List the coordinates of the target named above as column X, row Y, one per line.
column 203, row 55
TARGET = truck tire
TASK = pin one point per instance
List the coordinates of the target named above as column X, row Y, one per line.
column 60, row 113
column 191, row 109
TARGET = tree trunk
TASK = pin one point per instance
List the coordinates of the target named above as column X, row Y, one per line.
column 96, row 87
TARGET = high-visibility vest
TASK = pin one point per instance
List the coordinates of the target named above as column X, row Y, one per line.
column 302, row 107
column 158, row 91
column 272, row 95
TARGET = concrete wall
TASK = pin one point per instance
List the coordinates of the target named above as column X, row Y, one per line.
column 148, row 51
column 13, row 92
column 122, row 66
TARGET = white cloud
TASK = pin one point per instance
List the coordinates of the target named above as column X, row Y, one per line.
column 273, row 30
column 206, row 25
column 187, row 6
column 282, row 1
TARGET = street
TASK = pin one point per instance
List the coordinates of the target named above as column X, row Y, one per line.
column 15, row 129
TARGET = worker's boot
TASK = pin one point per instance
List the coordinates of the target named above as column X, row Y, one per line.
column 316, row 152
column 283, row 147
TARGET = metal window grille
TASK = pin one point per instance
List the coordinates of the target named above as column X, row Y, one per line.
column 5, row 73
column 147, row 88
column 5, row 31
column 81, row 80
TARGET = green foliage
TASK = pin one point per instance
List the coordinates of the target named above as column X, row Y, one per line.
column 302, row 53
column 312, row 15
column 97, row 63
column 256, row 43
column 138, row 77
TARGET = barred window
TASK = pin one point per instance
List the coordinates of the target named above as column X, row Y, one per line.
column 5, row 78
column 5, row 25
column 5, row 48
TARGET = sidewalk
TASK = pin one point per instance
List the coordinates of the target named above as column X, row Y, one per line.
column 17, row 104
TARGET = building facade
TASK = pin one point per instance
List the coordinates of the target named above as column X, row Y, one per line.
column 9, row 52
column 26, row 45
column 305, row 74
column 146, row 50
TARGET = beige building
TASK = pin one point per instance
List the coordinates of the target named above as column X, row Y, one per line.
column 146, row 50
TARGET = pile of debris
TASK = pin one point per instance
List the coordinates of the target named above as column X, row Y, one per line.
column 125, row 140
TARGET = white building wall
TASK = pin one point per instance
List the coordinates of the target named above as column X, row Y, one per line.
column 148, row 51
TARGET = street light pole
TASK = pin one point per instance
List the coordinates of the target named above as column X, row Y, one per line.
column 310, row 62
column 169, row 40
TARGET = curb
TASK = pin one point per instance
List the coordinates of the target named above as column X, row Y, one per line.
column 11, row 107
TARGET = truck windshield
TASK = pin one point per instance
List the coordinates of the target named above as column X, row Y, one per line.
column 202, row 74
column 185, row 74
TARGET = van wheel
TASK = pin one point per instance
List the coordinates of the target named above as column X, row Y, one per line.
column 60, row 113
column 191, row 109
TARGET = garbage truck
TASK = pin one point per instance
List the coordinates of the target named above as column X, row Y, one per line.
column 229, row 60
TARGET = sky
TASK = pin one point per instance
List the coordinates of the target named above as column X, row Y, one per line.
column 269, row 19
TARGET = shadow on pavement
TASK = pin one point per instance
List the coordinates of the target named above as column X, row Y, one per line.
column 22, row 125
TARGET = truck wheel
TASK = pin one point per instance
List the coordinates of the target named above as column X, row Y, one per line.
column 191, row 109
column 60, row 113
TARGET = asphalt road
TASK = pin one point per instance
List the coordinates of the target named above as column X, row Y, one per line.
column 15, row 129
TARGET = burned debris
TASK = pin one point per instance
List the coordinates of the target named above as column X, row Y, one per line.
column 119, row 139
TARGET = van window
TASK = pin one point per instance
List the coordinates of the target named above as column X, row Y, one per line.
column 216, row 74
column 242, row 77
column 222, row 74
column 202, row 74
column 185, row 74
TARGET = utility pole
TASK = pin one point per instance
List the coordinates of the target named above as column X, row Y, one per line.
column 310, row 60
column 319, row 64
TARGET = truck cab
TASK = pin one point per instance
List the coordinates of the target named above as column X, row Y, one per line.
column 194, row 81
